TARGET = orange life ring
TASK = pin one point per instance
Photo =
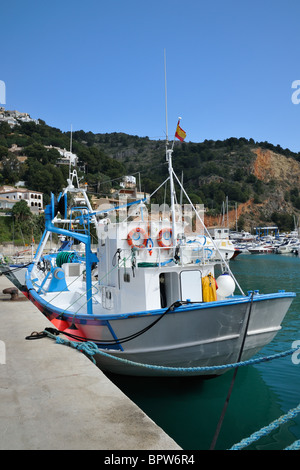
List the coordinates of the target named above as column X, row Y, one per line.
column 160, row 237
column 131, row 239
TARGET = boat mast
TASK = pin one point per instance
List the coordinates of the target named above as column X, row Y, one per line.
column 169, row 160
column 70, row 152
column 172, row 190
column 166, row 100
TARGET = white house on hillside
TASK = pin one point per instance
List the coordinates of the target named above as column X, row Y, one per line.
column 7, row 204
column 34, row 199
column 68, row 158
column 12, row 117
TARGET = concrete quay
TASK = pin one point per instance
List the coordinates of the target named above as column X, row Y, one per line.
column 52, row 397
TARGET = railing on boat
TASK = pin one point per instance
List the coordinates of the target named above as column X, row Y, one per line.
column 156, row 257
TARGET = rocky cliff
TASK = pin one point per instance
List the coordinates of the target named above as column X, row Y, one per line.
column 269, row 165
column 279, row 176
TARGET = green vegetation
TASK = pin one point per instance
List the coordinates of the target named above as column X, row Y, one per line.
column 284, row 221
column 40, row 171
column 22, row 227
column 212, row 170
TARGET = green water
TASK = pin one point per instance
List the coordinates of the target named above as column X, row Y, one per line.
column 188, row 409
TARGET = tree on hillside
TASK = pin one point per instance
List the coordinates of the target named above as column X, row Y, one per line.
column 3, row 151
column 4, row 128
column 10, row 168
column 41, row 154
column 21, row 211
column 45, row 178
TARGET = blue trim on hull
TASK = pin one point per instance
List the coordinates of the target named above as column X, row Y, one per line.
column 118, row 346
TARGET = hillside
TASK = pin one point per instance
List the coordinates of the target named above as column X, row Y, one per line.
column 274, row 194
column 260, row 179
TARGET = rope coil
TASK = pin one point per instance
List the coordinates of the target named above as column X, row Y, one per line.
column 65, row 257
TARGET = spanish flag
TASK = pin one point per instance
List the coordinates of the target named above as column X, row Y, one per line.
column 180, row 133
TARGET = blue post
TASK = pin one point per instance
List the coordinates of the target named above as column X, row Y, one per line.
column 88, row 263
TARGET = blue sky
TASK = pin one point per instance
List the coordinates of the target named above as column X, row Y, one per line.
column 99, row 66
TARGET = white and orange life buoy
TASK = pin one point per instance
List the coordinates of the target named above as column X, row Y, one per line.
column 162, row 239
column 137, row 237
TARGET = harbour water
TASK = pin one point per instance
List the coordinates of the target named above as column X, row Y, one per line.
column 188, row 409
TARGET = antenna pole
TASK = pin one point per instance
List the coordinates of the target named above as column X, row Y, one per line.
column 166, row 100
column 169, row 160
column 70, row 164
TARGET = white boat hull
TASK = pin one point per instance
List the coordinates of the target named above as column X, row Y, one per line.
column 180, row 341
column 191, row 340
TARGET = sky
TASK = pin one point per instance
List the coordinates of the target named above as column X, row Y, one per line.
column 98, row 66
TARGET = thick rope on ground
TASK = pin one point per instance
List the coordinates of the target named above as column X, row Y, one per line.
column 88, row 348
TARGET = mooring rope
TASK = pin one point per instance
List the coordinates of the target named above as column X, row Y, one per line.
column 13, row 269
column 94, row 349
column 267, row 429
column 244, row 334
column 294, row 446
column 90, row 349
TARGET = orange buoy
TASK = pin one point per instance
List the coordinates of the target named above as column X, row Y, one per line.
column 135, row 235
column 161, row 238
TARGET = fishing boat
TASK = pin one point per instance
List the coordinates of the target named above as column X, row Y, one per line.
column 158, row 297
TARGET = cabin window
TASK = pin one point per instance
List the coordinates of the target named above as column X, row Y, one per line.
column 191, row 286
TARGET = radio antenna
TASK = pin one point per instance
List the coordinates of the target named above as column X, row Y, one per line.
column 166, row 100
